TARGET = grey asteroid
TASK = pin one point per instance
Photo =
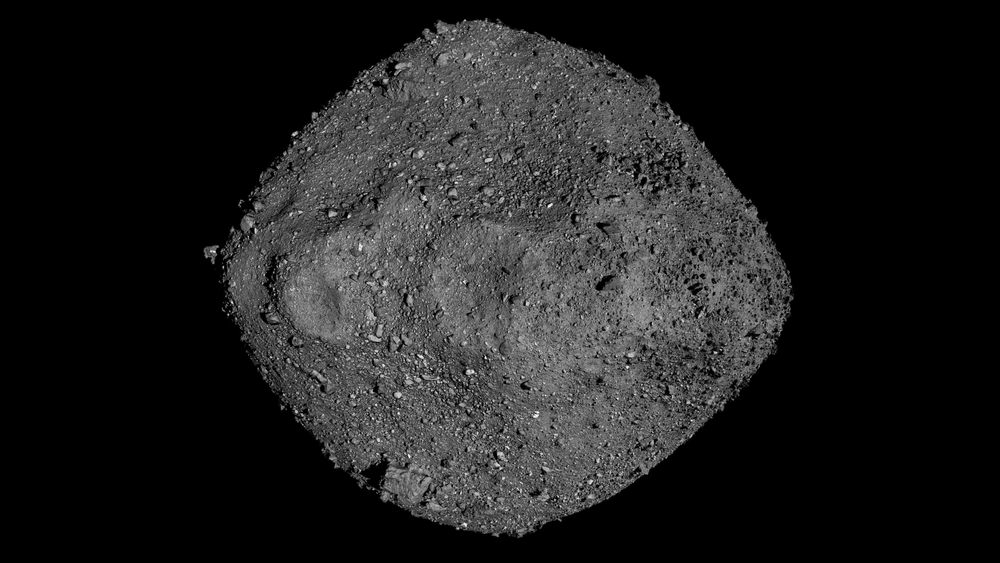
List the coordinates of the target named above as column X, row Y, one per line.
column 499, row 279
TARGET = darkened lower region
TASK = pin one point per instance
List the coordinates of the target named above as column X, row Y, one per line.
column 499, row 280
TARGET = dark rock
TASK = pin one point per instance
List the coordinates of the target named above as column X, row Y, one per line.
column 609, row 283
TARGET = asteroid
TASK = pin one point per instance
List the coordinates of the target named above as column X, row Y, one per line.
column 500, row 280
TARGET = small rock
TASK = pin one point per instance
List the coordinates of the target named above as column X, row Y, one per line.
column 247, row 223
column 374, row 338
column 470, row 371
column 609, row 228
column 453, row 193
column 609, row 283
column 211, row 252
column 398, row 395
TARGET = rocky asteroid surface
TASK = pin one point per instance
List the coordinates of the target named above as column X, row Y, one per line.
column 499, row 279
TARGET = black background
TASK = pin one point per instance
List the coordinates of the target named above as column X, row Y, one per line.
column 775, row 466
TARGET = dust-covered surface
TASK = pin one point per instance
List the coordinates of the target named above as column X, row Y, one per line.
column 500, row 280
